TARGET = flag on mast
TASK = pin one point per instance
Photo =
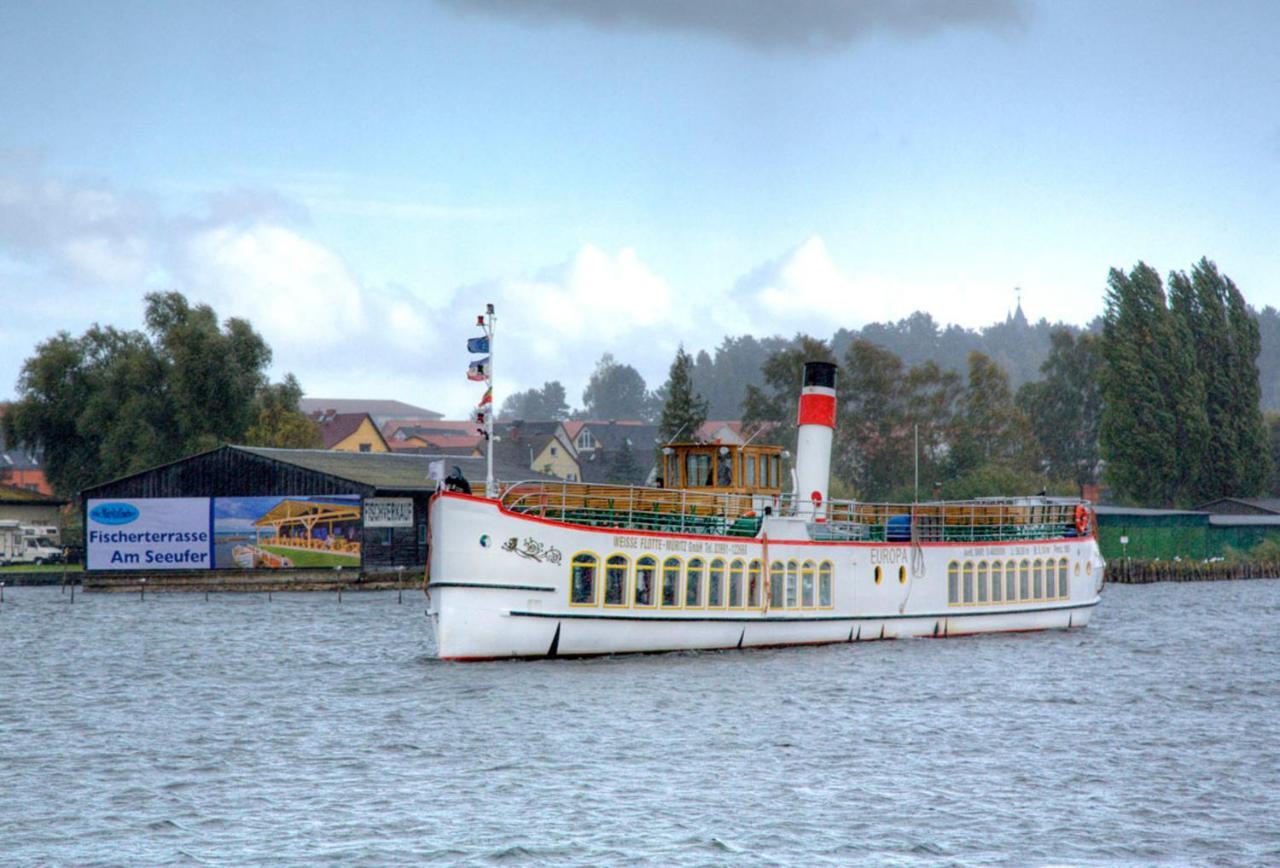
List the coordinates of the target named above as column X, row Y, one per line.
column 478, row 345
column 487, row 398
column 479, row 369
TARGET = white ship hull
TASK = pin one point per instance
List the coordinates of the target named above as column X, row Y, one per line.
column 500, row 585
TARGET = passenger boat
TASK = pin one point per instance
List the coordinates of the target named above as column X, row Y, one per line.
column 726, row 558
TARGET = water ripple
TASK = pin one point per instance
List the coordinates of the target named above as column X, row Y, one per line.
column 304, row 730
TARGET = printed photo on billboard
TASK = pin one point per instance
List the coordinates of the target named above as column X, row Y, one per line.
column 255, row 533
column 170, row 533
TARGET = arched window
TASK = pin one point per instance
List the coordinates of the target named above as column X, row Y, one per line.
column 615, row 580
column 1010, row 582
column 953, row 583
column 793, row 580
column 968, row 581
column 982, row 581
column 735, row 584
column 1037, row 580
column 693, row 584
column 808, row 593
column 1062, row 578
column 671, row 583
column 1024, row 580
column 826, row 593
column 715, row 584
column 753, row 585
column 997, row 578
column 582, row 579
column 646, row 573
column 777, row 585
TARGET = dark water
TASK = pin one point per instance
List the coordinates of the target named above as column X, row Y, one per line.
column 306, row 730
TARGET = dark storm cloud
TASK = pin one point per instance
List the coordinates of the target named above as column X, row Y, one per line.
column 774, row 25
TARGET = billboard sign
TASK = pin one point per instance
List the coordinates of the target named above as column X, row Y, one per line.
column 388, row 512
column 283, row 532
column 148, row 534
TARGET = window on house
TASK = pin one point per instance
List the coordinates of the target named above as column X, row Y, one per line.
column 365, row 447
column 585, row 440
column 554, row 451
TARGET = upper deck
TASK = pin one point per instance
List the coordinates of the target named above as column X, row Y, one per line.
column 726, row 513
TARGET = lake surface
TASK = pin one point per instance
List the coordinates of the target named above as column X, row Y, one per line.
column 304, row 729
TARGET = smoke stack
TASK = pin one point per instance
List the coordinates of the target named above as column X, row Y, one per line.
column 817, row 422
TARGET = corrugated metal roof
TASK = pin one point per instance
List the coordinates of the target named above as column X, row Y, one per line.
column 1137, row 510
column 399, row 471
column 1244, row 520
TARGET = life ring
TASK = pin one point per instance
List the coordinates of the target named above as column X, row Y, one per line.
column 1082, row 520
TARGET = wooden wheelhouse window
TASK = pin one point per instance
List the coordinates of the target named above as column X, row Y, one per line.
column 698, row 470
column 774, row 470
column 582, row 579
column 777, row 584
column 671, row 583
column 793, row 584
column 724, row 469
column 646, row 570
column 735, row 584
column 715, row 584
column 693, row 584
column 753, row 585
column 749, row 465
column 826, row 594
column 615, row 580
column 808, row 592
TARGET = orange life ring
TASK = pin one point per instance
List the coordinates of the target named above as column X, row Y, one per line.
column 1082, row 520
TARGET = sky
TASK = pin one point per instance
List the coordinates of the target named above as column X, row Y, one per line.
column 359, row 179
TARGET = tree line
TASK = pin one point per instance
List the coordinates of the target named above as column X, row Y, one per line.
column 112, row 402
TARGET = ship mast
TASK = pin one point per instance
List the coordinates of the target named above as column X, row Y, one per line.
column 490, row 486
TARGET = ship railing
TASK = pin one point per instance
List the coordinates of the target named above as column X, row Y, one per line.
column 708, row 513
column 640, row 508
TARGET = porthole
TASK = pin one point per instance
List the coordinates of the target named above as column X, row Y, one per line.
column 879, row 576
column 902, row 575
column 1077, row 568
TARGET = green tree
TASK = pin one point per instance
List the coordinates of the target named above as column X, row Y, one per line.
column 112, row 402
column 623, row 467
column 991, row 429
column 1154, row 425
column 537, row 405
column 279, row 422
column 775, row 402
column 616, row 391
column 1065, row 408
column 683, row 411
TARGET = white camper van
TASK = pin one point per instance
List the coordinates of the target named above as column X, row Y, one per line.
column 20, row 544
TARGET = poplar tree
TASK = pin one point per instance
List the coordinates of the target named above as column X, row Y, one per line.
column 1155, row 428
column 1065, row 407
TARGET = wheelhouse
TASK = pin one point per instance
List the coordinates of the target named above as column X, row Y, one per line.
column 723, row 468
